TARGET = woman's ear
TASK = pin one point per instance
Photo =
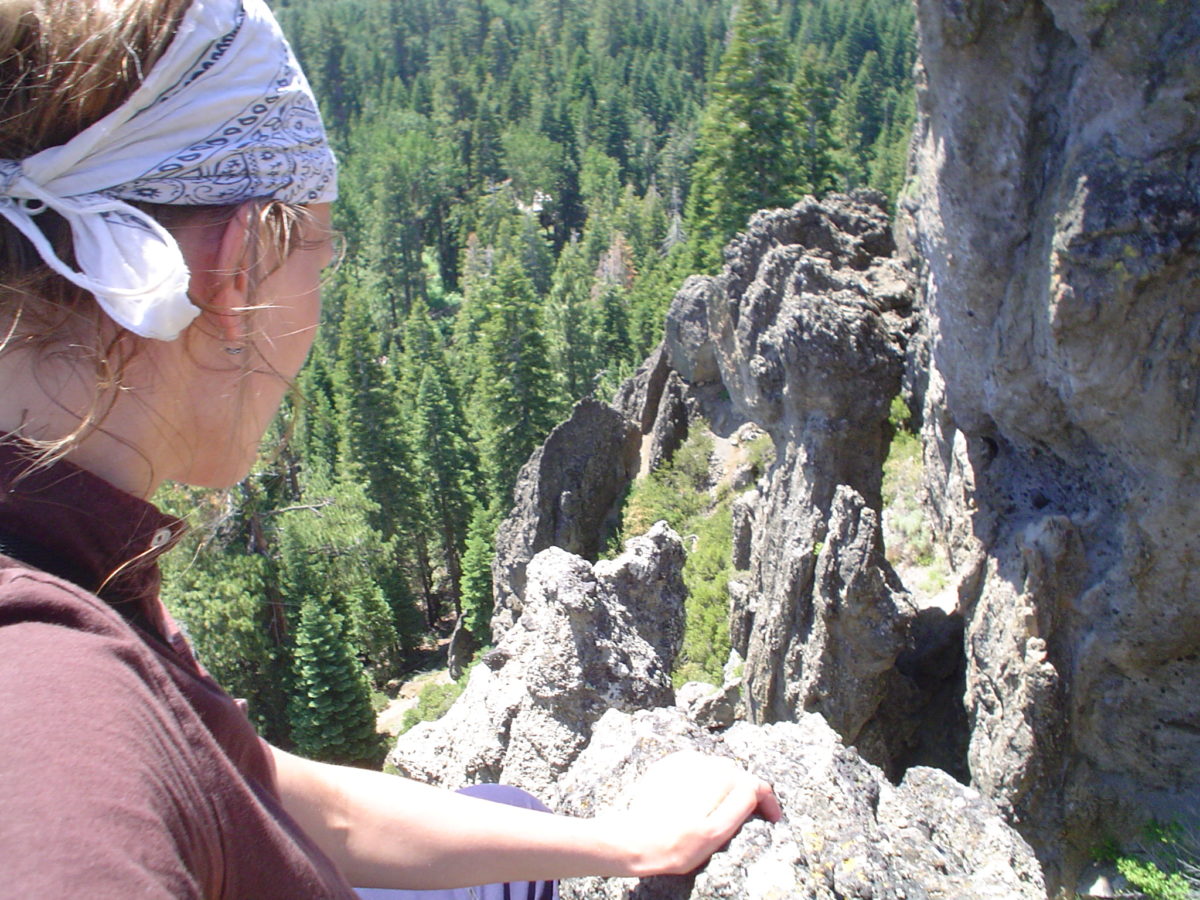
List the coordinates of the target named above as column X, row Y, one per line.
column 223, row 286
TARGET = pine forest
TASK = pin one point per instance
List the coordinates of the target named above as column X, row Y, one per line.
column 524, row 185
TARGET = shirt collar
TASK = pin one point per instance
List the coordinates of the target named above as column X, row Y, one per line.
column 91, row 533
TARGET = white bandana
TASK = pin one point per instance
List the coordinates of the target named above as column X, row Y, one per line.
column 224, row 116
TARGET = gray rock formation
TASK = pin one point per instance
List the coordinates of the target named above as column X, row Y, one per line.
column 1057, row 214
column 589, row 638
column 638, row 397
column 714, row 708
column 806, row 329
column 688, row 343
column 852, row 628
column 846, row 833
column 563, row 496
column 742, row 514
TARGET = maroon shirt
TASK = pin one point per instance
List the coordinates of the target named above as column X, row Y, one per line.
column 125, row 771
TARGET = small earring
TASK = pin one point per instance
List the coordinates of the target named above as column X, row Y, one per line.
column 235, row 350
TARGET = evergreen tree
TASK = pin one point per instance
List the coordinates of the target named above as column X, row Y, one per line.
column 329, row 551
column 220, row 595
column 615, row 274
column 747, row 156
column 613, row 334
column 570, row 326
column 396, row 179
column 889, row 153
column 317, row 436
column 523, row 238
column 651, row 296
column 331, row 714
column 476, row 585
column 486, row 166
column 815, row 110
column 446, row 460
column 516, row 389
column 536, row 164
column 856, row 123
column 374, row 445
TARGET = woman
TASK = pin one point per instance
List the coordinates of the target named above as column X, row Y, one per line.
column 165, row 186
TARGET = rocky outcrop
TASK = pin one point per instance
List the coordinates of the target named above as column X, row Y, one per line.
column 847, row 832
column 688, row 344
column 563, row 496
column 806, row 330
column 1056, row 215
column 589, row 638
column 575, row 703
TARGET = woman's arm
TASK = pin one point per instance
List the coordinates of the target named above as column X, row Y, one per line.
column 387, row 831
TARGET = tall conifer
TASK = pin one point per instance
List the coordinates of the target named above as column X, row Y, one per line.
column 516, row 385
column 331, row 712
column 570, row 325
column 747, row 157
column 374, row 446
column 476, row 585
column 446, row 461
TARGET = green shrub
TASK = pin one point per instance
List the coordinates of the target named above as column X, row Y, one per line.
column 761, row 453
column 1165, row 864
column 1152, row 881
column 706, row 574
column 432, row 703
column 677, row 491
column 908, row 534
column 902, row 469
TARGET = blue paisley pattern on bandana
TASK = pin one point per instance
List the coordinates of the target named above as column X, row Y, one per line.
column 276, row 147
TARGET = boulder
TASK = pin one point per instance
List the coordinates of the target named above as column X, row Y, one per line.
column 688, row 343
column 590, row 638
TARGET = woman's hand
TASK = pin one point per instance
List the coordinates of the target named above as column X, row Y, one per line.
column 389, row 832
column 684, row 808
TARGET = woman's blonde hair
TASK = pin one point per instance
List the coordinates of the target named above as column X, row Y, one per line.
column 65, row 64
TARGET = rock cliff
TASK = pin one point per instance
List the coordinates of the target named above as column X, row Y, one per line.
column 806, row 332
column 847, row 831
column 1052, row 354
column 563, row 496
column 589, row 638
column 1055, row 215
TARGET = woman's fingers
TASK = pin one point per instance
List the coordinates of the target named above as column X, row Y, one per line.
column 746, row 797
column 768, row 803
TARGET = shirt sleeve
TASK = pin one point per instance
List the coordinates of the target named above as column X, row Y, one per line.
column 98, row 783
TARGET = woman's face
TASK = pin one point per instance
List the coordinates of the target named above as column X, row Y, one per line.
column 282, row 325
